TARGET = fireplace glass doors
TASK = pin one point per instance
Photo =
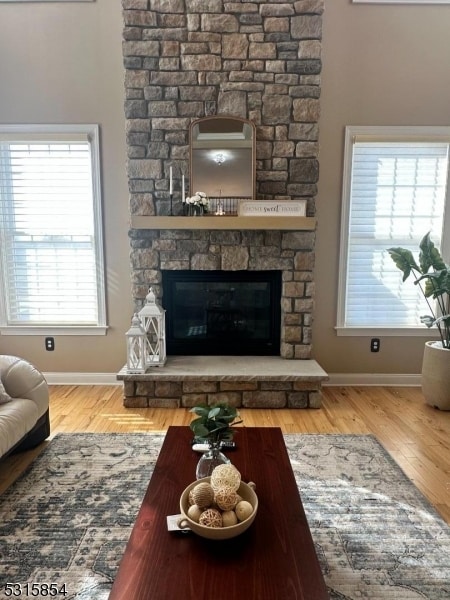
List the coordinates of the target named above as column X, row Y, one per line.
column 222, row 312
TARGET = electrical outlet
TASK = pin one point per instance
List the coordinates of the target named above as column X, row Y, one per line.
column 375, row 345
column 50, row 344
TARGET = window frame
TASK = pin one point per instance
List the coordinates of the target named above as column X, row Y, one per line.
column 92, row 132
column 386, row 134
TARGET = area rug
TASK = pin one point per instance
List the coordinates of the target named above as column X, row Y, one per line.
column 67, row 519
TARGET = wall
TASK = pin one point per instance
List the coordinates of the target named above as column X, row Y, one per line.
column 382, row 64
column 62, row 63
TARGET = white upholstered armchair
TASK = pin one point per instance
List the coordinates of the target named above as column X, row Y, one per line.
column 24, row 405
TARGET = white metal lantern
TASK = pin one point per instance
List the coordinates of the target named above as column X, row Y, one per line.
column 136, row 347
column 153, row 319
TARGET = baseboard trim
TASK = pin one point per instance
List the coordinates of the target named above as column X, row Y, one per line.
column 373, row 379
column 335, row 379
column 82, row 379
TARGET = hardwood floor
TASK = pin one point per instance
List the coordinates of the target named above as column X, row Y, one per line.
column 416, row 435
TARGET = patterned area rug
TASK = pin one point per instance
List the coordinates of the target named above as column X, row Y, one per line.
column 68, row 518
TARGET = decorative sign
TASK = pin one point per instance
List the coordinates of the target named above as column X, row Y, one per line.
column 272, row 208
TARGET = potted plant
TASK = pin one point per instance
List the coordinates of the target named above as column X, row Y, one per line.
column 432, row 276
column 213, row 425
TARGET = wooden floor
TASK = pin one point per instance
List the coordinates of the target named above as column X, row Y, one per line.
column 416, row 435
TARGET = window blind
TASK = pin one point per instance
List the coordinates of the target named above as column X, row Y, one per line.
column 397, row 194
column 50, row 254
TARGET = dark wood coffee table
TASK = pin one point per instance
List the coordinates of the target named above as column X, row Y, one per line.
column 274, row 559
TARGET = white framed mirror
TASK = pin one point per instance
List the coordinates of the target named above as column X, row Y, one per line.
column 222, row 159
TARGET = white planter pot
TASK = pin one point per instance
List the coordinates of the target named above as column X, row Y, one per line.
column 436, row 375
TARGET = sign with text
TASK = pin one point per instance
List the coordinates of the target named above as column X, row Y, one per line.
column 272, row 208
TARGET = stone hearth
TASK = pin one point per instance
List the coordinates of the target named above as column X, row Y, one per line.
column 250, row 382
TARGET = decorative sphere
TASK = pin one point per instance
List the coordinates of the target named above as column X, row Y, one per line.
column 243, row 510
column 203, row 495
column 229, row 518
column 215, row 523
column 226, row 498
column 211, row 518
column 225, row 476
column 194, row 512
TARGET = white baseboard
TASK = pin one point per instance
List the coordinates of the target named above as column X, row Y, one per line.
column 335, row 379
column 373, row 379
column 82, row 379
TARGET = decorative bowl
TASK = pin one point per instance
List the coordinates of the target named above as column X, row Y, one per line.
column 245, row 490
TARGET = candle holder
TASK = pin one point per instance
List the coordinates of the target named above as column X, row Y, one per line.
column 171, row 205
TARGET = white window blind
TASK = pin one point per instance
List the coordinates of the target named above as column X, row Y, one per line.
column 395, row 192
column 50, row 228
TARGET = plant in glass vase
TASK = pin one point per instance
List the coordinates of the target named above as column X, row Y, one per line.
column 432, row 276
column 197, row 204
column 213, row 425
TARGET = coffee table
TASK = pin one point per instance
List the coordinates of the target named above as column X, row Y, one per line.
column 274, row 559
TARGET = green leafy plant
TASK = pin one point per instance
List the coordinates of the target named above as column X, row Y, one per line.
column 214, row 423
column 432, row 276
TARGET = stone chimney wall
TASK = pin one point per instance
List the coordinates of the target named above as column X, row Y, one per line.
column 259, row 60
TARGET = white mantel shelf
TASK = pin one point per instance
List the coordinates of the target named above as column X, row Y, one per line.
column 212, row 222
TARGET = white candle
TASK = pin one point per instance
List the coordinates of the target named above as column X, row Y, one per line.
column 170, row 181
column 183, row 195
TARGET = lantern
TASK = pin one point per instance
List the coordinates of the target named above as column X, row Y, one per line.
column 136, row 347
column 153, row 319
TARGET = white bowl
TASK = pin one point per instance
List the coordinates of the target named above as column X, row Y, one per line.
column 246, row 491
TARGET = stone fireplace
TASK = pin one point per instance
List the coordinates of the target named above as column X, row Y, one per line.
column 187, row 59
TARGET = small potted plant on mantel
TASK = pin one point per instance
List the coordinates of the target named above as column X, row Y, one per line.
column 213, row 425
column 432, row 276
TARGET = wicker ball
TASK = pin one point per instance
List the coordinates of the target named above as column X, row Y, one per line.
column 191, row 500
column 211, row 518
column 225, row 476
column 203, row 495
column 226, row 498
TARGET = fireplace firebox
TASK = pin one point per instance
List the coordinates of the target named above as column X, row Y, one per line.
column 222, row 312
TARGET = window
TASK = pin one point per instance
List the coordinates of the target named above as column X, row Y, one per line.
column 52, row 276
column 395, row 191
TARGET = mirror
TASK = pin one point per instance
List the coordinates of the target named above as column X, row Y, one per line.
column 223, row 159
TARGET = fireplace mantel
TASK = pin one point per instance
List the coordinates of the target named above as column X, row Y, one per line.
column 216, row 222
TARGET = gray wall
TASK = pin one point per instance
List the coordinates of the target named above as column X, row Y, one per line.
column 61, row 62
column 382, row 65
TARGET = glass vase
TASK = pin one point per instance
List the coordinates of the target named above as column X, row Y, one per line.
column 210, row 460
column 195, row 210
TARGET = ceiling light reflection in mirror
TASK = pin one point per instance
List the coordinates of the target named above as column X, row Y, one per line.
column 222, row 157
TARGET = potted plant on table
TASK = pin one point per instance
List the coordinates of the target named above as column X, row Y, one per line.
column 213, row 425
column 432, row 276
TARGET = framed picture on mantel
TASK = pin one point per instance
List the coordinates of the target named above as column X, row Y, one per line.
column 272, row 208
